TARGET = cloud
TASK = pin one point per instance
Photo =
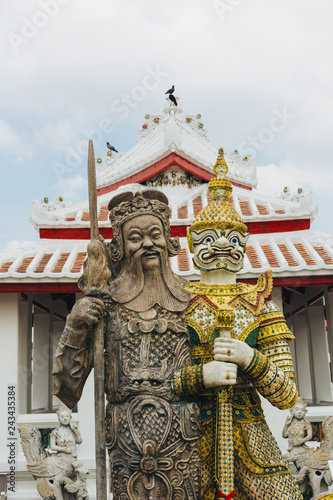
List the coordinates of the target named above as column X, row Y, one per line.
column 234, row 71
column 71, row 189
column 15, row 244
column 58, row 133
column 273, row 178
column 9, row 138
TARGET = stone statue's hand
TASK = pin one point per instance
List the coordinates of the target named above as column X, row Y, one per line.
column 289, row 419
column 217, row 373
column 86, row 311
column 74, row 425
column 233, row 350
column 299, row 441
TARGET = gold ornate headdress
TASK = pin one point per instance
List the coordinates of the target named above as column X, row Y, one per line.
column 219, row 213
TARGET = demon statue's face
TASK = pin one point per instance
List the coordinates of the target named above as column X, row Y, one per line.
column 219, row 249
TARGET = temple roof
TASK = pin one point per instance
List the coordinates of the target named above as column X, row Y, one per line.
column 299, row 253
column 185, row 203
column 173, row 132
column 174, row 155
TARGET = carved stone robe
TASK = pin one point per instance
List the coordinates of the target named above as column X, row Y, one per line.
column 152, row 433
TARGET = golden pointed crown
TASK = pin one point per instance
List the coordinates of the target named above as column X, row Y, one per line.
column 219, row 213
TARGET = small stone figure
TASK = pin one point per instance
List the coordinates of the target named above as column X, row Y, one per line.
column 312, row 464
column 298, row 430
column 78, row 487
column 51, row 467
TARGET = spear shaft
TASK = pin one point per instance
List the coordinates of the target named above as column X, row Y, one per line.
column 101, row 480
column 224, row 449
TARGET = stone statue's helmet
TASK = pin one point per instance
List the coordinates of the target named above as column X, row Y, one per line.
column 128, row 205
column 218, row 235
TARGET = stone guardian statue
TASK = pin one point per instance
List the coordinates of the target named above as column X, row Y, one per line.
column 152, row 431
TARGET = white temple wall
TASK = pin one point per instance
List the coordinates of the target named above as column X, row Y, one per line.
column 86, row 417
column 9, row 325
column 275, row 419
column 321, row 369
column 277, row 296
column 15, row 336
column 23, row 356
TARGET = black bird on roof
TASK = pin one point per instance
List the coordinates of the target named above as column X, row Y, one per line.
column 111, row 148
column 171, row 91
column 173, row 99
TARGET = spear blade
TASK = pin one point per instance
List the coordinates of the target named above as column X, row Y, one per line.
column 92, row 192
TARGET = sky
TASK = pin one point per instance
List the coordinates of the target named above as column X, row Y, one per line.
column 260, row 73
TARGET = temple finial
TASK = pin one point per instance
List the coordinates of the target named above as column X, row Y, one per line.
column 220, row 167
column 220, row 187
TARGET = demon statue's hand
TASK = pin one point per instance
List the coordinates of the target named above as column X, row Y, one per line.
column 86, row 311
column 217, row 373
column 233, row 351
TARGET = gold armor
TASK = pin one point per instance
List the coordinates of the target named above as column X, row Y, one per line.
column 218, row 237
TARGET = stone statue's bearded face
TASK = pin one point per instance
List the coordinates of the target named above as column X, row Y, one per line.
column 144, row 235
column 145, row 276
column 219, row 249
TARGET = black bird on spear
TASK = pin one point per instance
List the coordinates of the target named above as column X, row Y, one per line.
column 111, row 148
column 171, row 91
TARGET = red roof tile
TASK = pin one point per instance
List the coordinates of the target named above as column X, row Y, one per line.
column 182, row 212
column 85, row 216
column 183, row 260
column 252, row 256
column 5, row 266
column 287, row 254
column 78, row 262
column 103, row 213
column 270, row 255
column 262, row 210
column 25, row 263
column 245, row 207
column 41, row 266
column 61, row 262
column 323, row 254
column 197, row 205
column 308, row 259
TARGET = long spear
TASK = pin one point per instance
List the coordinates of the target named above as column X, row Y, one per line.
column 101, row 480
